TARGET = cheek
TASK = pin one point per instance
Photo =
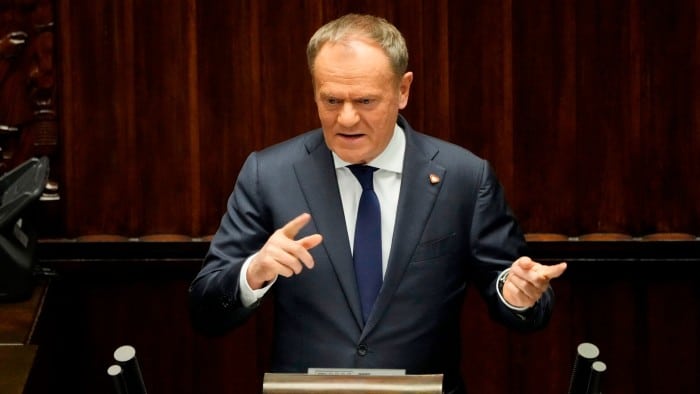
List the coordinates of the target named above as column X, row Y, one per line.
column 379, row 118
column 324, row 115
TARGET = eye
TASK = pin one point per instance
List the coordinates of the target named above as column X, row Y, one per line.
column 365, row 101
column 332, row 101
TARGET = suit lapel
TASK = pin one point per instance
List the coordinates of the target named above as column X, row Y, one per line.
column 317, row 178
column 416, row 199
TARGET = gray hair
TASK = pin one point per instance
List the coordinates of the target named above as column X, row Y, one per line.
column 374, row 28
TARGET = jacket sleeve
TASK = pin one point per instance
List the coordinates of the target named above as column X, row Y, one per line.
column 215, row 305
column 497, row 240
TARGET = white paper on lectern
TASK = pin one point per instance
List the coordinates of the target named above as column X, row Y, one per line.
column 356, row 371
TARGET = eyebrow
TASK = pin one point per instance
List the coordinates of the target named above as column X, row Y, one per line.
column 370, row 96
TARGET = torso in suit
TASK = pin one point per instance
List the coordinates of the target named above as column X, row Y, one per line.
column 448, row 234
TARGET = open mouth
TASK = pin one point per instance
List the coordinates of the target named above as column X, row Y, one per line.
column 351, row 136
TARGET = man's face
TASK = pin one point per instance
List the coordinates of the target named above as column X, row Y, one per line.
column 358, row 98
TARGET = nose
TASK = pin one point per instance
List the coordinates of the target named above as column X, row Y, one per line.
column 348, row 117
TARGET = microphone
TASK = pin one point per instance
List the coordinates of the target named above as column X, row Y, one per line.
column 118, row 379
column 597, row 369
column 586, row 353
column 126, row 359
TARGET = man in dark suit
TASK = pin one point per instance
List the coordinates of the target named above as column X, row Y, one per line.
column 289, row 230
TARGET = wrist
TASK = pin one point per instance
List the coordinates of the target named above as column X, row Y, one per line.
column 500, row 283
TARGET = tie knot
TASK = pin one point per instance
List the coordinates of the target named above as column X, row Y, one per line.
column 363, row 174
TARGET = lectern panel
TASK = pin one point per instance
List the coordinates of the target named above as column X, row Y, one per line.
column 290, row 383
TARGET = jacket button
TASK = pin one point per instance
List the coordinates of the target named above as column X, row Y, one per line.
column 226, row 302
column 362, row 350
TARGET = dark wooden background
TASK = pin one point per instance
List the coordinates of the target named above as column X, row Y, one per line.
column 588, row 109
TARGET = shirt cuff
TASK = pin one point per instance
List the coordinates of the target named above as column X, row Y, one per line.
column 249, row 296
column 499, row 284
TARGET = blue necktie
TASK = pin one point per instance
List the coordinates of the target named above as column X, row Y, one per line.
column 367, row 249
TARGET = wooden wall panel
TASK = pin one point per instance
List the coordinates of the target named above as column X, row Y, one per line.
column 544, row 116
column 670, row 137
column 480, row 96
column 587, row 109
column 605, row 143
column 164, row 52
column 673, row 335
column 95, row 100
column 127, row 117
column 230, row 99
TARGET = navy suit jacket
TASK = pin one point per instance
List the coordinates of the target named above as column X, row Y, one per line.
column 448, row 235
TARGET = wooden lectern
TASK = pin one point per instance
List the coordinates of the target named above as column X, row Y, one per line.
column 300, row 383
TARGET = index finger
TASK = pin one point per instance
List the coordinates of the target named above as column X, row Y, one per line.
column 291, row 229
column 552, row 271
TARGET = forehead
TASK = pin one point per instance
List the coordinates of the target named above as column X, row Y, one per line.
column 353, row 61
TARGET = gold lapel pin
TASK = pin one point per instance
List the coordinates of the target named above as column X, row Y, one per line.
column 434, row 179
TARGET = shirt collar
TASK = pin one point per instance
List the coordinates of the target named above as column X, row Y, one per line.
column 391, row 159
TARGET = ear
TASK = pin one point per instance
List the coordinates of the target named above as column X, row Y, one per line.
column 404, row 89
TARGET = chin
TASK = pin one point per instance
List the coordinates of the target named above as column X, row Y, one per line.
column 350, row 157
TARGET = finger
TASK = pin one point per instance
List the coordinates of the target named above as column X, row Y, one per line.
column 265, row 267
column 517, row 295
column 286, row 266
column 525, row 263
column 283, row 257
column 553, row 271
column 522, row 285
column 285, row 271
column 291, row 229
column 522, row 266
column 310, row 241
column 272, row 268
column 307, row 243
column 277, row 260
